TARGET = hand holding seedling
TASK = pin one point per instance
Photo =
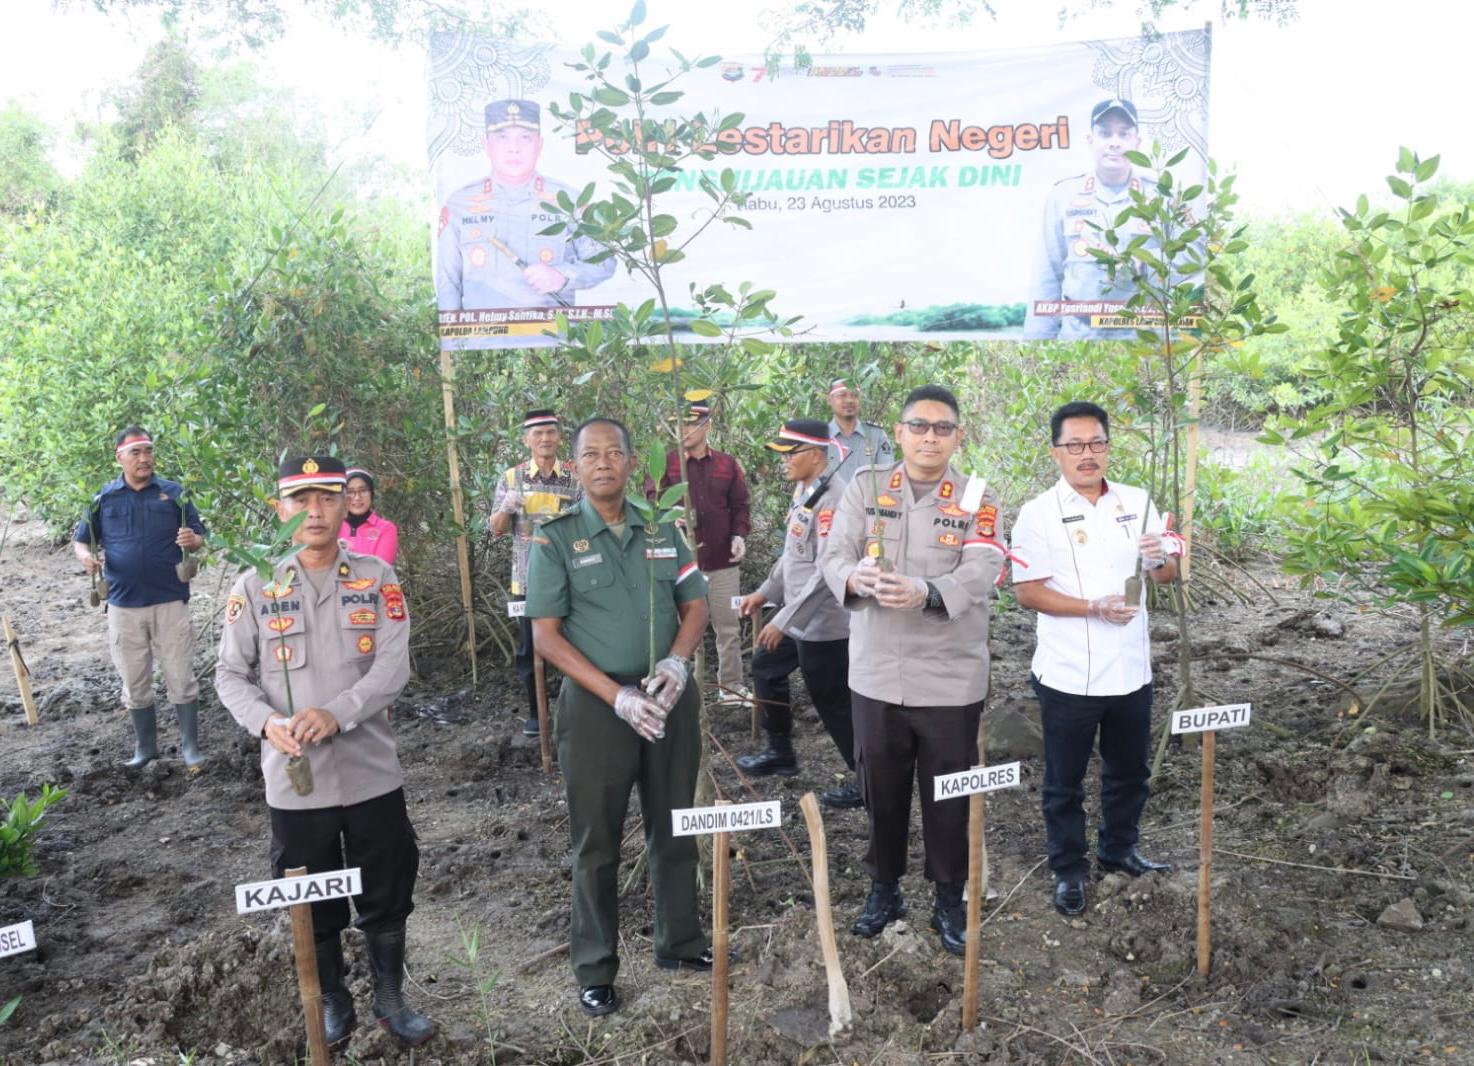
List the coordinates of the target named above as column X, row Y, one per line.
column 1153, row 551
column 279, row 736
column 900, row 592
column 668, row 681
column 313, row 725
column 865, row 579
column 188, row 539
column 640, row 712
column 1112, row 609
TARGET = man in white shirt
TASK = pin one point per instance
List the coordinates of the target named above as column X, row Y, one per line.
column 1075, row 548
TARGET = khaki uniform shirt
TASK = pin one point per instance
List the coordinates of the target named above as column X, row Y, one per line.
column 925, row 658
column 809, row 610
column 600, row 585
column 345, row 649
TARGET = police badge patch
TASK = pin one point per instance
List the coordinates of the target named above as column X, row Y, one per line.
column 394, row 603
column 234, row 605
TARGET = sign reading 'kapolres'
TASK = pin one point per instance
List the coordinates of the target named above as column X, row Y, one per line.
column 956, row 195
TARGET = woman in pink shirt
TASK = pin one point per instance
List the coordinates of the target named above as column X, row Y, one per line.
column 363, row 531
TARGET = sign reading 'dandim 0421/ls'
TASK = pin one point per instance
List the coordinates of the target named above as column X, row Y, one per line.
column 1203, row 719
column 736, row 818
column 17, row 938
column 289, row 891
column 978, row 779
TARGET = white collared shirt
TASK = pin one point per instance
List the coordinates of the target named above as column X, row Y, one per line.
column 1087, row 551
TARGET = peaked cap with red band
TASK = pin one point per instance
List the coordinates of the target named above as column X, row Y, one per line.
column 838, row 385
column 132, row 439
column 799, row 433
column 543, row 416
column 311, row 472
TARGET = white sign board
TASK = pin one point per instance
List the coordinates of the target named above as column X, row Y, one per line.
column 978, row 779
column 736, row 818
column 1203, row 719
column 15, row 939
column 289, row 891
column 736, row 603
column 516, row 608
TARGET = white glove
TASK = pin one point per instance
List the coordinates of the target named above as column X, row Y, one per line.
column 511, row 503
column 1113, row 609
column 1153, row 551
column 865, row 578
column 668, row 682
column 643, row 714
column 901, row 592
column 739, row 549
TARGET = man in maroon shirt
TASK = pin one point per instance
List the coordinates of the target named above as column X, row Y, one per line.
column 721, row 524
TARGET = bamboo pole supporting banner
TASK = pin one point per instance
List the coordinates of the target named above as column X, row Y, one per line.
column 1205, row 862
column 840, row 1014
column 721, row 876
column 457, row 503
column 544, row 719
column 22, row 673
column 305, row 951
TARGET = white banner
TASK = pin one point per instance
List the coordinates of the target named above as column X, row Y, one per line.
column 1203, row 719
column 940, row 197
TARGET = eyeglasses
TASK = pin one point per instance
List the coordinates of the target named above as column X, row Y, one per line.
column 921, row 427
column 1077, row 447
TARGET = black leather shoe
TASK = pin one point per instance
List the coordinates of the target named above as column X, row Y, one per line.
column 1069, row 896
column 702, row 962
column 842, row 798
column 777, row 759
column 883, row 906
column 949, row 918
column 1135, row 864
column 598, row 999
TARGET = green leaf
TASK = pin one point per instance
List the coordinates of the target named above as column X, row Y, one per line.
column 639, row 52
column 610, row 96
column 1399, row 187
column 1426, row 169
column 637, row 14
column 662, row 99
column 705, row 328
column 671, row 496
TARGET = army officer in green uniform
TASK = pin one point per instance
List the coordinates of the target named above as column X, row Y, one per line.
column 589, row 595
column 489, row 249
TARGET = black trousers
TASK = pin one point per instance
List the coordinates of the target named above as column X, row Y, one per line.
column 1070, row 726
column 375, row 836
column 826, row 669
column 895, row 745
column 524, row 661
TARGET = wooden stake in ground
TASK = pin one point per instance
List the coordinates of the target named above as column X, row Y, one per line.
column 1205, row 857
column 1207, row 721
column 973, row 783
column 544, row 719
column 22, row 673
column 719, row 822
column 975, row 890
column 840, row 1015
column 721, row 876
column 457, row 503
column 305, row 951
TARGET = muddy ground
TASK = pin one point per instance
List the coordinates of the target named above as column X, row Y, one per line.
column 1323, row 821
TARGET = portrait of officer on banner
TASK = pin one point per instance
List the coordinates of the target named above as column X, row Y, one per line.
column 1077, row 214
column 490, row 251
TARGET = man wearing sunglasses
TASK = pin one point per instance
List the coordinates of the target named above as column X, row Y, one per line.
column 914, row 555
column 1075, row 547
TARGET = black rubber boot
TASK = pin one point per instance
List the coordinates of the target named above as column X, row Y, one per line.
column 883, row 906
column 145, row 737
column 338, row 1017
column 386, row 956
column 189, row 733
column 778, row 759
column 949, row 918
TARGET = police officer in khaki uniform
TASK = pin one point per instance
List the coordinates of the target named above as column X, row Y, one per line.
column 331, row 628
column 914, row 553
column 490, row 251
column 810, row 630
column 618, row 724
column 853, row 442
column 1076, row 215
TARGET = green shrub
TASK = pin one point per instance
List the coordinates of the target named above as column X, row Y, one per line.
column 22, row 820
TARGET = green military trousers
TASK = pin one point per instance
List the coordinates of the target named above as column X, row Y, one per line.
column 601, row 758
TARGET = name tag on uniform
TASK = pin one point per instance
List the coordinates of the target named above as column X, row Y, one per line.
column 660, row 553
column 590, row 560
column 1125, row 518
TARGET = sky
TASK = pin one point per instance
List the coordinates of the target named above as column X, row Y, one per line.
column 1309, row 114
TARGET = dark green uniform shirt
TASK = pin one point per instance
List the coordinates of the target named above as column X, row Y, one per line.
column 600, row 585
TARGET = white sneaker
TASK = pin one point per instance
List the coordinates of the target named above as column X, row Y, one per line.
column 737, row 696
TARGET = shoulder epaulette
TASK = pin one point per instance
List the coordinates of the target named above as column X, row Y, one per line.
column 557, row 517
